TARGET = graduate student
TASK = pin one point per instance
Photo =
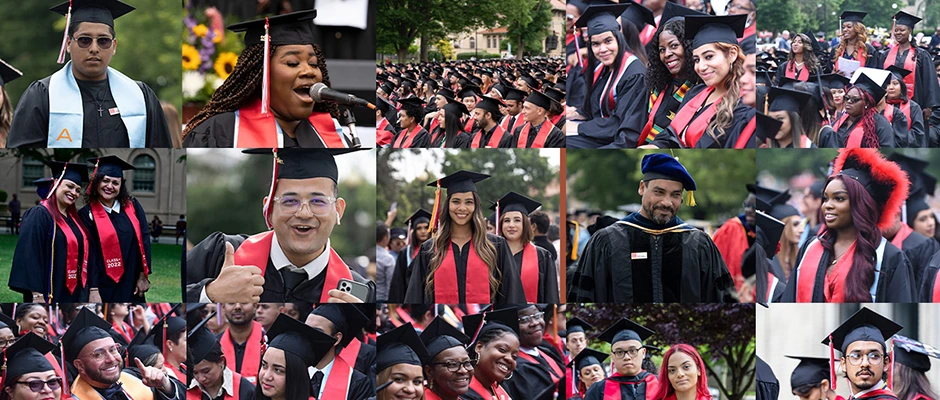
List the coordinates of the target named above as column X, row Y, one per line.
column 810, row 379
column 399, row 364
column 615, row 77
column 337, row 375
column 87, row 103
column 495, row 346
column 119, row 235
column 288, row 262
column 538, row 131
column 349, row 321
column 244, row 113
column 587, row 369
column 449, row 368
column 538, row 273
column 411, row 134
column 540, row 366
column 293, row 349
column 28, row 372
column 801, row 62
column 898, row 101
column 241, row 340
column 667, row 260
column 911, row 364
column 418, row 232
column 487, row 116
column 461, row 263
column 54, row 239
column 861, row 340
column 629, row 381
column 210, row 377
column 861, row 125
column 850, row 260
column 921, row 84
column 450, row 132
column 853, row 44
column 786, row 106
column 712, row 114
column 916, row 247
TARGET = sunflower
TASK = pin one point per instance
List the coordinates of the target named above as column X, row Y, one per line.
column 200, row 30
column 191, row 58
column 225, row 64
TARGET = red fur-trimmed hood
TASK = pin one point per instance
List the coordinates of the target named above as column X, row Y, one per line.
column 888, row 184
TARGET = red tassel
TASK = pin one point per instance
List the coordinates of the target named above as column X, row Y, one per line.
column 269, row 203
column 832, row 365
column 92, row 176
column 65, row 34
column 266, row 78
column 498, row 232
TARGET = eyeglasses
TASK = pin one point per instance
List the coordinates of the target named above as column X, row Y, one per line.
column 531, row 318
column 852, row 99
column 113, row 350
column 454, row 366
column 733, row 7
column 874, row 358
column 318, row 205
column 7, row 343
column 37, row 385
column 85, row 41
column 628, row 352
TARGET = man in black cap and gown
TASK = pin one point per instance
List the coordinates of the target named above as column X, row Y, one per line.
column 343, row 322
column 627, row 352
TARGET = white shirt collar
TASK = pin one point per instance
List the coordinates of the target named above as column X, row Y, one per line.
column 227, row 385
column 313, row 268
column 116, row 207
column 326, row 374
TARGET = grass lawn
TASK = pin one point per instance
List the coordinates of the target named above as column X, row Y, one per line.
column 164, row 281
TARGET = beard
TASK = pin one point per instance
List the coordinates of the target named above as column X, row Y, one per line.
column 651, row 212
column 97, row 376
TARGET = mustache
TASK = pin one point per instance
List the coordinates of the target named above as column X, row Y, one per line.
column 665, row 208
column 868, row 370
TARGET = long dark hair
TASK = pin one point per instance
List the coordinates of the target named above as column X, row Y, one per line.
column 452, row 125
column 631, row 36
column 865, row 216
column 796, row 131
column 245, row 83
column 297, row 385
column 809, row 58
column 485, row 249
column 909, row 383
column 123, row 198
column 658, row 76
column 593, row 62
column 903, row 99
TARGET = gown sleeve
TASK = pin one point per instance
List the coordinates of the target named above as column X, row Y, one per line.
column 548, row 278
column 781, row 73
column 886, row 136
column 510, row 286
column 217, row 131
column 918, row 131
column 899, row 287
column 902, row 136
column 510, row 139
column 419, row 270
column 927, row 93
column 158, row 130
column 589, row 282
column 828, row 138
column 360, row 387
column 622, row 129
column 30, row 124
column 32, row 253
column 556, row 139
column 396, row 291
column 717, row 284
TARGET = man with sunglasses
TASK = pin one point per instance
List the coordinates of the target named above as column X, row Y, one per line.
column 292, row 261
column 87, row 103
column 91, row 350
column 865, row 356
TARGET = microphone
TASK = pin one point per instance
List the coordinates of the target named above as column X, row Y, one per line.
column 320, row 92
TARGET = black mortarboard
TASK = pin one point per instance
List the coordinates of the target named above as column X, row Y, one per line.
column 96, row 11
column 913, row 354
column 499, row 88
column 852, row 16
column 515, row 94
column 419, row 216
column 200, row 341
column 772, row 229
column 576, row 324
column 447, row 93
column 75, row 172
column 195, row 312
column 898, row 72
column 813, row 43
column 600, row 18
column 864, row 82
column 43, row 185
column 673, row 10
column 864, row 325
column 705, row 29
column 109, row 166
column 27, row 356
column 8, row 73
column 539, row 99
column 763, row 77
column 456, row 108
column 491, row 105
column 476, row 81
column 295, row 337
column 513, row 201
column 347, row 318
column 625, row 329
column 486, row 72
column 587, row 358
column 174, row 325
column 766, row 127
column 85, row 328
column 470, row 91
column 638, row 15
column 460, row 182
column 787, row 83
column 908, row 20
column 530, row 81
column 507, row 318
column 411, row 102
column 835, row 81
column 440, row 335
column 7, row 322
column 787, row 100
column 553, row 93
column 810, row 371
column 400, row 346
column 141, row 347
column 292, row 28
column 384, row 105
column 388, row 89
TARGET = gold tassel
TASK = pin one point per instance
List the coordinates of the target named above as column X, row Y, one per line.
column 691, row 198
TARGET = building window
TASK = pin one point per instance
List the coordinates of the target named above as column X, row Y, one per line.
column 456, row 44
column 145, row 173
column 472, row 43
column 32, row 169
column 489, row 42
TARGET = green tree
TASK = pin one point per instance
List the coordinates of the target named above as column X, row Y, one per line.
column 400, row 22
column 777, row 15
column 526, row 24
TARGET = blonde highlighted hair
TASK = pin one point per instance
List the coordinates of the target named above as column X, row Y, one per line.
column 724, row 115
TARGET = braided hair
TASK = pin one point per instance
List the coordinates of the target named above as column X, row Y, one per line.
column 245, row 83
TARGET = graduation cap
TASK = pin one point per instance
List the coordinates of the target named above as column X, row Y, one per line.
column 513, row 201
column 400, row 346
column 772, row 229
column 922, row 184
column 865, row 325
column 913, row 354
column 587, row 358
column 456, row 108
column 459, row 182
column 110, row 165
column 387, row 88
column 779, row 208
column 781, row 99
column 384, row 105
column 835, row 81
column 85, row 328
column 625, row 329
column 673, row 10
column 539, row 99
column 515, row 94
column 664, row 166
column 555, row 94
column 95, row 11
column 864, row 82
column 810, row 371
column 499, row 88
column 766, row 127
column 491, row 105
column 142, row 346
column 292, row 28
column 600, row 18
column 420, row 216
column 8, row 73
column 576, row 324
column 898, row 72
column 74, row 172
column 27, row 355
column 638, row 15
column 447, row 93
column 706, row 29
column 908, row 20
column 295, row 337
column 200, row 341
column 531, row 82
column 440, row 335
column 852, row 16
column 763, row 76
column 347, row 318
column 7, row 322
column 476, row 324
column 884, row 180
column 43, row 185
column 295, row 163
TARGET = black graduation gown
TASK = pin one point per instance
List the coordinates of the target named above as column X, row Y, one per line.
column 827, row 138
column 886, row 135
column 534, row 380
column 768, row 387
column 902, row 137
column 926, row 89
column 543, row 242
column 204, row 262
column 440, row 142
column 467, row 140
column 422, row 138
column 555, row 139
column 548, row 276
column 896, row 284
column 123, row 290
column 510, row 289
column 596, row 392
column 400, row 278
column 742, row 114
column 365, row 360
column 871, row 59
column 782, row 73
column 622, row 128
column 31, row 258
column 30, row 126
column 360, row 386
column 246, row 391
column 768, row 268
column 928, row 281
column 919, row 249
column 219, row 131
column 576, row 89
column 684, row 267
column 917, row 137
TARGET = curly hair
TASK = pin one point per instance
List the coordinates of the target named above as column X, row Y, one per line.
column 658, row 77
column 724, row 116
column 244, row 84
column 870, row 135
column 865, row 216
column 860, row 41
column 809, row 58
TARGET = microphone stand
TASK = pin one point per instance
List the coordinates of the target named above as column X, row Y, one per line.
column 348, row 120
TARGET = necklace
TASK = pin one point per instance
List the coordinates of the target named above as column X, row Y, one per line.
column 837, row 258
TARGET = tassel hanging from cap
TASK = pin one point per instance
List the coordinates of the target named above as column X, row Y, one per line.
column 65, row 372
column 832, row 365
column 65, row 35
column 92, row 176
column 476, row 333
column 266, row 77
column 437, row 208
column 574, row 241
column 497, row 218
column 269, row 201
column 691, row 198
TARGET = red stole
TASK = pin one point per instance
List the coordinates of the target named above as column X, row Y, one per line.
column 256, row 250
column 731, row 240
column 478, row 282
column 401, row 143
column 110, row 245
column 855, row 136
column 901, row 236
column 337, row 384
column 608, row 96
column 689, row 134
column 910, row 64
column 252, row 358
column 530, row 273
column 196, row 393
column 791, row 72
column 57, row 367
column 540, row 138
column 124, row 329
column 255, row 130
column 519, row 122
column 649, row 121
column 876, row 393
column 350, row 353
column 834, row 290
column 647, row 34
column 383, row 136
column 505, row 123
column 500, row 393
column 180, row 375
column 557, row 373
column 612, row 387
column 430, row 395
column 746, row 134
column 493, row 143
column 748, row 32
column 469, row 125
column 905, row 109
column 71, row 261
